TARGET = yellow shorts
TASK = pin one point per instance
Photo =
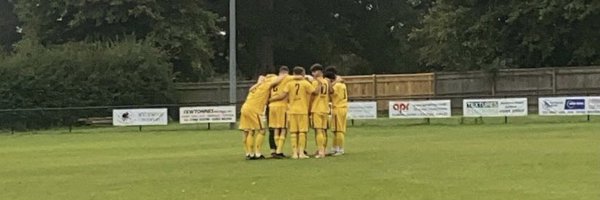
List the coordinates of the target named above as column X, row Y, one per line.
column 250, row 121
column 277, row 116
column 339, row 119
column 320, row 120
column 297, row 123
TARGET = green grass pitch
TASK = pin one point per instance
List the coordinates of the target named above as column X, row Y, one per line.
column 384, row 160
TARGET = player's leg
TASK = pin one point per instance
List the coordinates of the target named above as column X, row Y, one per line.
column 320, row 122
column 249, row 144
column 303, row 129
column 308, row 124
column 279, row 123
column 259, row 139
column 313, row 125
column 281, row 142
column 340, row 135
column 293, row 126
column 246, row 127
column 302, row 145
column 294, row 140
column 325, row 125
column 340, row 139
column 272, row 139
column 320, row 143
column 275, row 140
column 247, row 149
column 334, row 144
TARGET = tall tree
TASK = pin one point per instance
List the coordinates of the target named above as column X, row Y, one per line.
column 182, row 28
column 459, row 35
column 371, row 35
column 8, row 25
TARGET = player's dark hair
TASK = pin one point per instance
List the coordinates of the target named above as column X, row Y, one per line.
column 263, row 72
column 316, row 67
column 331, row 69
column 298, row 70
column 329, row 75
column 284, row 69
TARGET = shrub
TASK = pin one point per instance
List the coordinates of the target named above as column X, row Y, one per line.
column 80, row 74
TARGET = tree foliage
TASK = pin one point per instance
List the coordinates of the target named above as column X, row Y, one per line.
column 81, row 74
column 476, row 34
column 8, row 26
column 369, row 35
column 181, row 28
column 361, row 36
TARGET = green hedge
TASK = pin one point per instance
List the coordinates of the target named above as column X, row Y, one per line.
column 80, row 74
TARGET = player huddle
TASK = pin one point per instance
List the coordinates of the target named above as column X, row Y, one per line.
column 295, row 103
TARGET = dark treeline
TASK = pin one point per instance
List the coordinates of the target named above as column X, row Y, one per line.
column 64, row 53
column 360, row 36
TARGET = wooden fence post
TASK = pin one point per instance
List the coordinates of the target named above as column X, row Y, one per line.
column 554, row 81
column 493, row 81
column 375, row 87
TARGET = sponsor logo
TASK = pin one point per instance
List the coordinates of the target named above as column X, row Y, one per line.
column 551, row 104
column 125, row 116
column 575, row 104
column 401, row 107
column 483, row 104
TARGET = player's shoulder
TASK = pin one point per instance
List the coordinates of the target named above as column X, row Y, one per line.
column 339, row 85
column 288, row 78
column 310, row 83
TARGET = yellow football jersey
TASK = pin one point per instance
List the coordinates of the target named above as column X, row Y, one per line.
column 298, row 96
column 278, row 90
column 258, row 97
column 339, row 98
column 320, row 103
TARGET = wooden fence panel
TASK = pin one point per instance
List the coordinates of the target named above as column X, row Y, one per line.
column 530, row 83
column 578, row 80
column 522, row 82
column 405, row 85
column 463, row 83
column 215, row 93
column 360, row 87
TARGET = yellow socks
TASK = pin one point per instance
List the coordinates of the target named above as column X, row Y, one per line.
column 321, row 140
column 249, row 142
column 340, row 139
column 280, row 142
column 334, row 143
column 259, row 140
column 294, row 141
column 301, row 143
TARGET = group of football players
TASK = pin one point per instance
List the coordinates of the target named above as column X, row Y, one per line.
column 295, row 103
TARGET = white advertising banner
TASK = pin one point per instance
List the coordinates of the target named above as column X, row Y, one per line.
column 140, row 117
column 420, row 109
column 495, row 107
column 549, row 106
column 362, row 110
column 213, row 114
column 562, row 106
column 593, row 105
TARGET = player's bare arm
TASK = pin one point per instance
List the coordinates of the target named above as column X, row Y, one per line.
column 277, row 81
column 261, row 80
